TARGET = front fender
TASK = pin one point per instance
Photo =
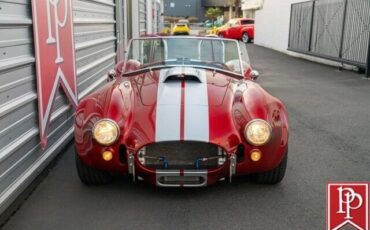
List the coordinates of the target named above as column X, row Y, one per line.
column 256, row 103
column 114, row 102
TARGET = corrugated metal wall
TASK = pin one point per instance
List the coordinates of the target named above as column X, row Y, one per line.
column 142, row 17
column 21, row 158
column 95, row 39
column 157, row 17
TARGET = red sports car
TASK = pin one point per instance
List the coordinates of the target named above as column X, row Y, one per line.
column 238, row 28
column 182, row 111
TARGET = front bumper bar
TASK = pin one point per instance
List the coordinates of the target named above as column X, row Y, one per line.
column 181, row 178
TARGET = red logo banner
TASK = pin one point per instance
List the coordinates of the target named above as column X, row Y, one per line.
column 55, row 56
column 348, row 206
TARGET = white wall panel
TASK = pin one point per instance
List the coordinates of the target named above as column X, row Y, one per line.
column 272, row 24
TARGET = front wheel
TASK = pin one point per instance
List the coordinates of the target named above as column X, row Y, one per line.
column 245, row 38
column 91, row 176
column 220, row 35
column 274, row 176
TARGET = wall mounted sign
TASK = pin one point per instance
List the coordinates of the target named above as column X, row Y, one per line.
column 55, row 56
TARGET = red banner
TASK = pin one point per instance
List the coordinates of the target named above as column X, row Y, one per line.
column 55, row 56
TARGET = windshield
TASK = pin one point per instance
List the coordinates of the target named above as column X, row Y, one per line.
column 211, row 53
column 232, row 22
column 247, row 22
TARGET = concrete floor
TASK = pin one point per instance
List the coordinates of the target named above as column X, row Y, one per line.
column 329, row 114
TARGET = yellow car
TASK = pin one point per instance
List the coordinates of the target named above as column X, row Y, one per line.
column 181, row 29
column 215, row 29
column 212, row 31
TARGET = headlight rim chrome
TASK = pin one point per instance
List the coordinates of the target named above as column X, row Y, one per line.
column 106, row 120
column 249, row 124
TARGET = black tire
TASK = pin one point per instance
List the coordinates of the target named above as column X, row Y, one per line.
column 91, row 176
column 245, row 38
column 274, row 176
column 220, row 35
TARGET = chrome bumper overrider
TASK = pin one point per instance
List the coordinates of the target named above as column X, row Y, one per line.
column 232, row 168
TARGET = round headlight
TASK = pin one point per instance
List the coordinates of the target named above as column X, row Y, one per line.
column 257, row 132
column 105, row 131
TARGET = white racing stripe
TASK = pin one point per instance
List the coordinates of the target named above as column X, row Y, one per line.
column 196, row 109
column 168, row 109
column 196, row 115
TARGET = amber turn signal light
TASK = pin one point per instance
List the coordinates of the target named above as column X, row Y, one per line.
column 256, row 155
column 107, row 155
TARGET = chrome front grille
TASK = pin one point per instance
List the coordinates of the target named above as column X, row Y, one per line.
column 181, row 155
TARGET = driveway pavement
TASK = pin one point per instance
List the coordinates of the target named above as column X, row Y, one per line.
column 329, row 114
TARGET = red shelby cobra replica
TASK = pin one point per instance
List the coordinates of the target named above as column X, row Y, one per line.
column 182, row 111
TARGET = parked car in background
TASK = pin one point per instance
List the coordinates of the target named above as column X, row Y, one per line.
column 238, row 28
column 181, row 29
column 212, row 31
column 217, row 29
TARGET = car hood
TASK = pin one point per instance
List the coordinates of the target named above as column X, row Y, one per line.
column 179, row 104
column 198, row 86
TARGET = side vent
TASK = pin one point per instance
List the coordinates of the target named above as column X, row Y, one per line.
column 240, row 153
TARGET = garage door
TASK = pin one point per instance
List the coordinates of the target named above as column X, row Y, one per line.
column 21, row 156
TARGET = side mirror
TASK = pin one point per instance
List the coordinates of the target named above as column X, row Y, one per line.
column 111, row 75
column 254, row 75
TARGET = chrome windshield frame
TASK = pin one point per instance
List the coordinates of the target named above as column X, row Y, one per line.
column 183, row 37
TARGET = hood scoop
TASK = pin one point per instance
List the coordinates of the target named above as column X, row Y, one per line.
column 184, row 73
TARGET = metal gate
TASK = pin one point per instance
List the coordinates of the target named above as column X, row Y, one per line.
column 338, row 30
column 142, row 17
